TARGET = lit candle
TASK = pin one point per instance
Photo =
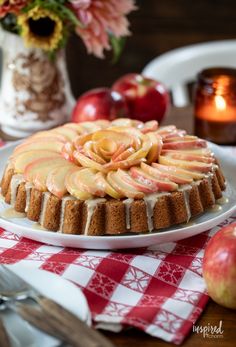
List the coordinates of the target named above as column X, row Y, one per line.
column 215, row 105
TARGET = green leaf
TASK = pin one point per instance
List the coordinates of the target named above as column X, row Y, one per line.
column 71, row 16
column 118, row 44
column 9, row 23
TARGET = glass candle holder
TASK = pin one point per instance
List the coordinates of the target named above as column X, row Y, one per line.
column 215, row 105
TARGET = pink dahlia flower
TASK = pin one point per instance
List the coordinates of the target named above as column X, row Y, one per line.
column 11, row 6
column 99, row 18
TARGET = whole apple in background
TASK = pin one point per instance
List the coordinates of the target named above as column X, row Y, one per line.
column 99, row 103
column 146, row 98
column 219, row 266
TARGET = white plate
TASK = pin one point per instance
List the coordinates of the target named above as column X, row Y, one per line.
column 24, row 227
column 54, row 287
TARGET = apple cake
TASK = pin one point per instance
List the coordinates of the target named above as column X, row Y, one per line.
column 106, row 178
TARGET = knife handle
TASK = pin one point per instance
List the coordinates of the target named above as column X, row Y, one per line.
column 69, row 324
column 4, row 339
column 36, row 318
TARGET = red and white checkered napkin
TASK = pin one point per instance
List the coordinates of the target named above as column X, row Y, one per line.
column 159, row 290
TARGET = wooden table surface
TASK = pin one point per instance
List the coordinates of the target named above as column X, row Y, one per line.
column 183, row 118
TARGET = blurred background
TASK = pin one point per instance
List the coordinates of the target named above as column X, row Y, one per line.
column 157, row 27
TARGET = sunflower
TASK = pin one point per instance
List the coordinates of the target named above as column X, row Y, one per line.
column 41, row 28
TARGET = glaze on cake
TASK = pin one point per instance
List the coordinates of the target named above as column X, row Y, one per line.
column 114, row 177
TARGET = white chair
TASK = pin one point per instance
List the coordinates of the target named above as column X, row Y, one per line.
column 180, row 66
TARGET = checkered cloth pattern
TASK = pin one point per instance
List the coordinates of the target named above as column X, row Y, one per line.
column 159, row 290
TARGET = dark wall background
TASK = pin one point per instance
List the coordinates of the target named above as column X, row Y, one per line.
column 158, row 26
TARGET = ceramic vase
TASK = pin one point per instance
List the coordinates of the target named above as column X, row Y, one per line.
column 35, row 91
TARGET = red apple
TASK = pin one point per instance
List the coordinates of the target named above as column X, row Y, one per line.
column 146, row 98
column 100, row 103
column 219, row 266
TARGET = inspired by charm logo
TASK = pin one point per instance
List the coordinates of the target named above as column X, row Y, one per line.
column 210, row 331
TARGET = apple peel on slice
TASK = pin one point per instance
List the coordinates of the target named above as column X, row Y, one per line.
column 71, row 182
column 149, row 126
column 85, row 181
column 23, row 159
column 185, row 144
column 88, row 151
column 67, row 151
column 55, row 181
column 164, row 176
column 125, row 176
column 37, row 171
column 178, row 133
column 172, row 175
column 181, row 155
column 133, row 134
column 124, row 164
column 184, row 164
column 123, row 187
column 183, row 172
column 156, row 184
column 106, row 147
column 120, row 149
column 124, row 155
column 175, row 138
column 166, row 130
column 145, row 148
column 51, row 145
column 156, row 148
column 104, row 185
column 87, row 162
column 206, row 152
column 79, row 141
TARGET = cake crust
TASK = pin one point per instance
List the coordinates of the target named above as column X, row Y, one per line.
column 110, row 216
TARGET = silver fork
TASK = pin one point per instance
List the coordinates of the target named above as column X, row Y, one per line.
column 51, row 318
column 13, row 287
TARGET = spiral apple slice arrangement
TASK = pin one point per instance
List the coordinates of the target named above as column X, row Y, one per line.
column 124, row 158
column 133, row 161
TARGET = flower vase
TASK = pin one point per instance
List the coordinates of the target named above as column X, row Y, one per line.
column 35, row 92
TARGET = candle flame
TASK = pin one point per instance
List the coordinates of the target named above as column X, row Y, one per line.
column 220, row 102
